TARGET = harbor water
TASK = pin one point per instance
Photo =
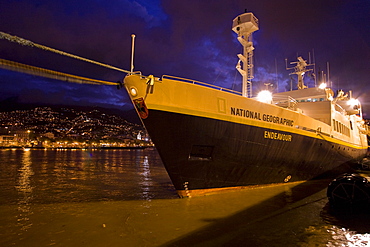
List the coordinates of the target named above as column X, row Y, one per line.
column 125, row 198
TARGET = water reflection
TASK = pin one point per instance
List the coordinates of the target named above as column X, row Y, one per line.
column 78, row 175
column 146, row 181
column 110, row 198
column 348, row 226
column 288, row 193
column 25, row 189
column 345, row 237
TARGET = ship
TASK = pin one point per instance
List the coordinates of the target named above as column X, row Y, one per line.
column 212, row 139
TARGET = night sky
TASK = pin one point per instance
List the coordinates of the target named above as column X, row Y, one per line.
column 185, row 38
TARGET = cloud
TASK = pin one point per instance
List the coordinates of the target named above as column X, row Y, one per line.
column 192, row 38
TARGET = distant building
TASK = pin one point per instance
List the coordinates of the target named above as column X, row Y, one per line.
column 7, row 140
column 21, row 135
column 49, row 135
column 4, row 131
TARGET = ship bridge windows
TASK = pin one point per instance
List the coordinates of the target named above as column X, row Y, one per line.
column 341, row 128
column 311, row 100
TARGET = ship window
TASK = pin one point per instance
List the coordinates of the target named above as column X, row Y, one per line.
column 201, row 152
column 350, row 123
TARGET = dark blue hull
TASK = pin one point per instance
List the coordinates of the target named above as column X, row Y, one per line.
column 204, row 153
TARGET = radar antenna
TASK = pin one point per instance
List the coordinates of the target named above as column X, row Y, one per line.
column 299, row 70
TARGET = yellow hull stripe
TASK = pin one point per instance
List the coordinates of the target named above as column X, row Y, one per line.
column 173, row 96
column 203, row 192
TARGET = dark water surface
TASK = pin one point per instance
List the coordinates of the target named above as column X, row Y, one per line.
column 125, row 198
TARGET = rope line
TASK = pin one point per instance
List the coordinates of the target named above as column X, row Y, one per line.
column 26, row 42
column 32, row 70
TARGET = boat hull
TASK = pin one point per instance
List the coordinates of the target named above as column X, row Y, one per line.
column 210, row 139
column 202, row 153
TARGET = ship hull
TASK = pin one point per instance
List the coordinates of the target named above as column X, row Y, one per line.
column 210, row 139
column 202, row 153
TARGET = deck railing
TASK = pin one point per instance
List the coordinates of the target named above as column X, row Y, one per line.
column 285, row 101
column 200, row 83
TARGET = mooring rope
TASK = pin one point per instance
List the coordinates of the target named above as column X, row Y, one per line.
column 32, row 70
column 26, row 42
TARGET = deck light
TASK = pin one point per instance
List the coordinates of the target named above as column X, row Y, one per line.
column 322, row 85
column 353, row 102
column 265, row 96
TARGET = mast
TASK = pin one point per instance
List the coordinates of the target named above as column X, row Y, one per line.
column 299, row 70
column 132, row 53
column 244, row 25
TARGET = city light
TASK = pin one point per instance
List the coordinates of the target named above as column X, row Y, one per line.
column 44, row 127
